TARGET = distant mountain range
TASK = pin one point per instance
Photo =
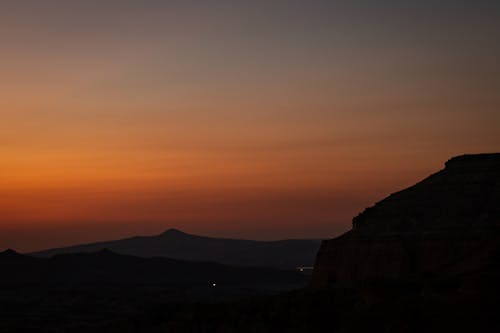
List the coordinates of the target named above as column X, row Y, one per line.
column 173, row 243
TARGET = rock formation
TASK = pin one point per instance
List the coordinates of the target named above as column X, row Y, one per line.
column 446, row 226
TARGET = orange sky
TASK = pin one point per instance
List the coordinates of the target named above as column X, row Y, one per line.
column 262, row 121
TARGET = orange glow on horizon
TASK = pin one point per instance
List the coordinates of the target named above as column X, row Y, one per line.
column 231, row 119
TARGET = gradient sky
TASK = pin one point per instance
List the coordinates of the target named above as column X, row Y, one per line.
column 255, row 119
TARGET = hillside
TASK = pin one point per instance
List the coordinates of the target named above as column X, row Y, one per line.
column 105, row 269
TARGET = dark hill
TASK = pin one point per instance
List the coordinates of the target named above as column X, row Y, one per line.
column 446, row 227
column 284, row 254
column 108, row 269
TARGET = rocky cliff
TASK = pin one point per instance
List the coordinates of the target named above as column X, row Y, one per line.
column 446, row 226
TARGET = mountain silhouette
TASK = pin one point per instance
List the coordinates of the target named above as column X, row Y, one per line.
column 173, row 243
column 446, row 227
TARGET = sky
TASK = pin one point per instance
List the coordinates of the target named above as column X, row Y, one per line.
column 250, row 119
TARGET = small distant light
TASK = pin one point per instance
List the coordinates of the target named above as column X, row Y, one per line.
column 301, row 269
column 214, row 284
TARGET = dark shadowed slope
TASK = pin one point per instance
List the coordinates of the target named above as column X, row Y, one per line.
column 286, row 254
column 447, row 227
column 108, row 269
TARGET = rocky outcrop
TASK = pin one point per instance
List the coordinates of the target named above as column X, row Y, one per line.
column 447, row 225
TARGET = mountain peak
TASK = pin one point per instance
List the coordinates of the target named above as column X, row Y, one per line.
column 10, row 252
column 173, row 232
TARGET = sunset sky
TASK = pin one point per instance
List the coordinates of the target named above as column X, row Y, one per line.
column 254, row 119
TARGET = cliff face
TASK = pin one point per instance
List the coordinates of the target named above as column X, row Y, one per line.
column 447, row 225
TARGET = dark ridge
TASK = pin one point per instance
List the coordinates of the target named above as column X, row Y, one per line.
column 471, row 160
column 106, row 268
column 463, row 194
